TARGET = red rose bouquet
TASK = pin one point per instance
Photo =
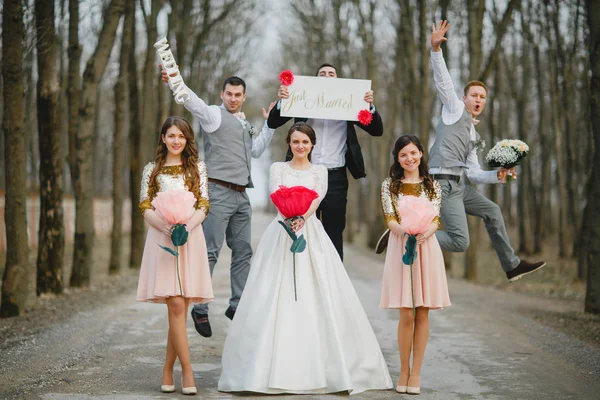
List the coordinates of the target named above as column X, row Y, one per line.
column 292, row 203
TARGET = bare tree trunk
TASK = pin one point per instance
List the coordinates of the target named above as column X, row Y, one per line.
column 97, row 151
column 84, row 217
column 16, row 282
column 31, row 136
column 425, row 99
column 561, row 183
column 62, row 95
column 410, row 53
column 135, row 166
column 367, row 33
column 523, row 195
column 565, row 74
column 542, row 193
column 592, row 258
column 74, row 84
column 51, row 243
column 121, row 88
column 445, row 5
column 500, row 30
column 150, row 78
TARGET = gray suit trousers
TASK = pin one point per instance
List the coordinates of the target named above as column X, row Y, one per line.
column 458, row 200
column 228, row 218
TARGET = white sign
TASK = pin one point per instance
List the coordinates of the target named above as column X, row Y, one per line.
column 326, row 98
column 168, row 63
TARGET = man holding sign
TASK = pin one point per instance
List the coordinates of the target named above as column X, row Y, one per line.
column 337, row 148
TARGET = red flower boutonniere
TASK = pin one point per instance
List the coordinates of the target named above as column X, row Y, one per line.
column 286, row 77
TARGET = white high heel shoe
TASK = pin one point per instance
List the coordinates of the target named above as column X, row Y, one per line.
column 167, row 388
column 414, row 389
column 188, row 390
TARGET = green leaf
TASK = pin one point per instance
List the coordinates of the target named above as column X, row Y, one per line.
column 411, row 250
column 288, row 230
column 180, row 235
column 299, row 245
column 169, row 250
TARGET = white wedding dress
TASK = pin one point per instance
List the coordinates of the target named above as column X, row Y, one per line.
column 322, row 343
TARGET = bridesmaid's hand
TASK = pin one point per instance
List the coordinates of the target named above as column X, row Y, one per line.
column 395, row 228
column 168, row 230
column 423, row 237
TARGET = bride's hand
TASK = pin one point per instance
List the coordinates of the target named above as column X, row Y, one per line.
column 298, row 224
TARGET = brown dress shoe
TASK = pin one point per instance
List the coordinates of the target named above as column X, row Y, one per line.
column 524, row 268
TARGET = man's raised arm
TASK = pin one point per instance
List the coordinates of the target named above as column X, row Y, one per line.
column 208, row 116
column 441, row 76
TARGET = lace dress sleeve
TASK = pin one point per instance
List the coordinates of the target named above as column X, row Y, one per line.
column 202, row 196
column 275, row 176
column 145, row 195
column 321, row 180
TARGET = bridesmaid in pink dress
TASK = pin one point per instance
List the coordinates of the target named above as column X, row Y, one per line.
column 176, row 168
column 409, row 177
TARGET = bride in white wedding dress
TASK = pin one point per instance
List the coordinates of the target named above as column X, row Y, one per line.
column 321, row 343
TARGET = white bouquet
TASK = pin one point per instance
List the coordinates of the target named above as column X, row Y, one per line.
column 507, row 153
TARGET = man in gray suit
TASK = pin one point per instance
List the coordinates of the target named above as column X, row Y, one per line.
column 455, row 152
column 229, row 144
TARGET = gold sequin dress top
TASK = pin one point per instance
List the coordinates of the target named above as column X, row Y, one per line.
column 429, row 273
column 390, row 200
column 159, row 278
column 171, row 178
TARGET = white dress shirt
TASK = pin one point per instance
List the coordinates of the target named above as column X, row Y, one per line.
column 452, row 110
column 331, row 147
column 330, row 150
column 210, row 120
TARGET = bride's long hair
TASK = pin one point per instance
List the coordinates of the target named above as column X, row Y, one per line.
column 307, row 130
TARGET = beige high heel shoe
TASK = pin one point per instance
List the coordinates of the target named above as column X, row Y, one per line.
column 188, row 390
column 400, row 388
column 167, row 388
column 414, row 385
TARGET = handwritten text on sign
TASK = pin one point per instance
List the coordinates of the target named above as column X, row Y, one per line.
column 326, row 98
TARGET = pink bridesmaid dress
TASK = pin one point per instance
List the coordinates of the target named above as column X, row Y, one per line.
column 158, row 278
column 429, row 274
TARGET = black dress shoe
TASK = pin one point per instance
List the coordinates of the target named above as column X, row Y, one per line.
column 230, row 313
column 524, row 268
column 382, row 242
column 201, row 323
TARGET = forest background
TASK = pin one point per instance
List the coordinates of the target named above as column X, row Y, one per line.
column 82, row 103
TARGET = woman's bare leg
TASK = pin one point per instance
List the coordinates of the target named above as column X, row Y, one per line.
column 405, row 343
column 420, row 343
column 178, row 337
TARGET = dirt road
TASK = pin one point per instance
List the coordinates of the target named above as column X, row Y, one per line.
column 485, row 346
